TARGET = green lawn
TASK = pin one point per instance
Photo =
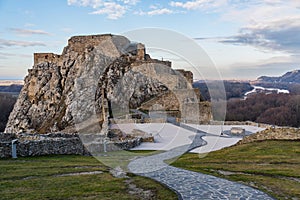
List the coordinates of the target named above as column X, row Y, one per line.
column 37, row 178
column 271, row 166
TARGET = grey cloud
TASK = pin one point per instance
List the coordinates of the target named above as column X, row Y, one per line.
column 6, row 55
column 282, row 36
column 12, row 43
column 29, row 31
column 272, row 67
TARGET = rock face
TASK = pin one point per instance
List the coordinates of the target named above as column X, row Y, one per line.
column 95, row 77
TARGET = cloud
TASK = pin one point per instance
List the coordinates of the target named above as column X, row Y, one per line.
column 189, row 5
column 28, row 31
column 198, row 4
column 6, row 55
column 12, row 43
column 282, row 35
column 86, row 3
column 243, row 10
column 112, row 9
column 99, row 3
column 161, row 11
column 272, row 25
column 66, row 30
column 29, row 25
column 130, row 2
column 253, row 69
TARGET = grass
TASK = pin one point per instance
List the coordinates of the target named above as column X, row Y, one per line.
column 271, row 166
column 36, row 178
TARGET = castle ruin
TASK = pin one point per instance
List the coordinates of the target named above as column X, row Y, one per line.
column 98, row 77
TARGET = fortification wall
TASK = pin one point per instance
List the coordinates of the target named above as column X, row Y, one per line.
column 46, row 57
column 80, row 44
column 187, row 74
column 187, row 102
column 173, row 100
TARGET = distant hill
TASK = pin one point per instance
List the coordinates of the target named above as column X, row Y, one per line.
column 289, row 81
column 11, row 82
column 289, row 77
column 233, row 89
column 11, row 88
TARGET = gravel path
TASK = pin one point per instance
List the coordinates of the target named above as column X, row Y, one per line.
column 188, row 184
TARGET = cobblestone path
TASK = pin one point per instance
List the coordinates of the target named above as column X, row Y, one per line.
column 188, row 184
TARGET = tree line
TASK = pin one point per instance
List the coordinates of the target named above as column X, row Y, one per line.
column 276, row 109
column 232, row 89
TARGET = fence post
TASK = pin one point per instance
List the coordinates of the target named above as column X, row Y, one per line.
column 14, row 148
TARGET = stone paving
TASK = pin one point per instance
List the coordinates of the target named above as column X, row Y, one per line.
column 188, row 184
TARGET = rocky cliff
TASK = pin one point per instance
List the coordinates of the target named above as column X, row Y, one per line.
column 95, row 77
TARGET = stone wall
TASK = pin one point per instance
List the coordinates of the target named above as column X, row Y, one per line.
column 6, row 137
column 5, row 149
column 273, row 134
column 185, row 101
column 145, row 120
column 5, row 144
column 173, row 100
column 162, row 71
column 96, row 148
column 46, row 57
column 59, row 143
column 197, row 113
column 167, row 101
column 187, row 74
column 246, row 123
column 148, row 59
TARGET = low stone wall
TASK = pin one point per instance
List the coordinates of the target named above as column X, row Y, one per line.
column 5, row 149
column 249, row 123
column 58, row 143
column 6, row 137
column 51, row 146
column 273, row 134
column 95, row 148
column 5, row 144
column 146, row 120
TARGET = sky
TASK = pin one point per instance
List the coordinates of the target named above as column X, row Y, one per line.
column 244, row 38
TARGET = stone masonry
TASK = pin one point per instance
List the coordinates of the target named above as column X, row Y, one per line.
column 61, row 143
